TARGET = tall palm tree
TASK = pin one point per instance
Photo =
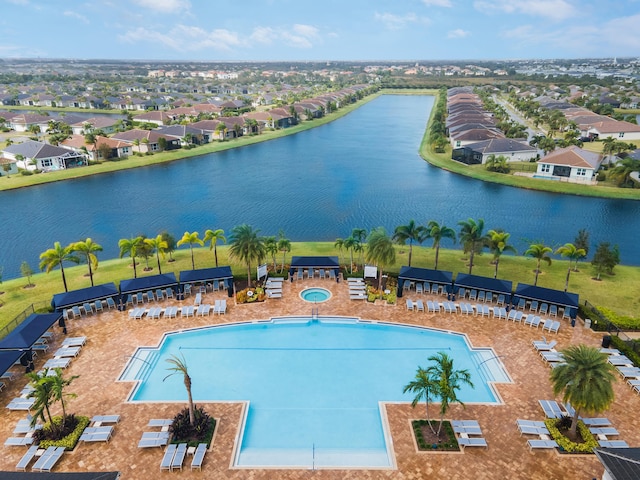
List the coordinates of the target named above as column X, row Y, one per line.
column 130, row 246
column 213, row 236
column 179, row 366
column 360, row 235
column 498, row 245
column 622, row 171
column 271, row 248
column 339, row 244
column 284, row 246
column 471, row 235
column 380, row 251
column 448, row 381
column 246, row 246
column 159, row 246
column 56, row 256
column 190, row 238
column 540, row 252
column 585, row 379
column 570, row 251
column 422, row 386
column 350, row 243
column 437, row 232
column 88, row 249
column 410, row 232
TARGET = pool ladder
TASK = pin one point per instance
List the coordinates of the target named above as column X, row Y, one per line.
column 314, row 313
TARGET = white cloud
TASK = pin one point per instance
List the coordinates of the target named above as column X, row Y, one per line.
column 299, row 35
column 165, row 6
column 437, row 3
column 76, row 15
column 458, row 33
column 398, row 22
column 552, row 9
column 184, row 38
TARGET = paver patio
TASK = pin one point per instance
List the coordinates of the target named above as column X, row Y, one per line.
column 113, row 337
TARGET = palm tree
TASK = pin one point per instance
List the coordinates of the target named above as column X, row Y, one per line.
column 447, row 382
column 350, row 243
column 422, row 386
column 179, row 366
column 570, row 251
column 88, row 249
column 190, row 238
column 171, row 244
column 213, row 236
column 622, row 171
column 130, row 246
column 284, row 246
column 360, row 235
column 58, row 384
column 380, row 251
column 540, row 252
column 410, row 232
column 471, row 235
column 159, row 246
column 498, row 245
column 42, row 394
column 246, row 246
column 339, row 244
column 585, row 380
column 438, row 232
column 271, row 248
column 56, row 256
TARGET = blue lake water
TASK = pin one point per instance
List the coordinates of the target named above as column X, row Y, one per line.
column 361, row 171
column 314, row 387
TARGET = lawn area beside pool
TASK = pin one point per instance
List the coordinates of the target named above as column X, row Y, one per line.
column 113, row 337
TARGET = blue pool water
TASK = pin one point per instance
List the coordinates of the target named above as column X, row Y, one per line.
column 314, row 387
column 315, row 294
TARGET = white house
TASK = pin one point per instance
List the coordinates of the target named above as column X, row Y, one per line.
column 7, row 167
column 571, row 164
column 623, row 131
column 479, row 152
column 32, row 155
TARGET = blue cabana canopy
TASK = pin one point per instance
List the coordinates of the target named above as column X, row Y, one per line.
column 416, row 274
column 487, row 284
column 78, row 297
column 142, row 284
column 547, row 295
column 314, row 262
column 205, row 275
column 8, row 358
column 29, row 331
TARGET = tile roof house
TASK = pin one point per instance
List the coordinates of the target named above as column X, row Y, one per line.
column 571, row 164
column 147, row 140
column 105, row 124
column 8, row 166
column 479, row 152
column 119, row 148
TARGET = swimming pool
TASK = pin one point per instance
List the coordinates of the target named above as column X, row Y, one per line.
column 313, row 387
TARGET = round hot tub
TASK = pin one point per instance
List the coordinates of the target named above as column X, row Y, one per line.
column 315, row 295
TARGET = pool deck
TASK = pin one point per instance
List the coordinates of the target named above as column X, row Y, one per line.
column 112, row 337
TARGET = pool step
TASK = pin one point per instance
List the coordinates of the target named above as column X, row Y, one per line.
column 139, row 365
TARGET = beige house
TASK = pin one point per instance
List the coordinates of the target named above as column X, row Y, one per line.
column 571, row 164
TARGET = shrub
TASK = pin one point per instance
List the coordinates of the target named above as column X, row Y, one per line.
column 26, row 173
column 627, row 349
column 202, row 430
column 251, row 295
column 601, row 177
column 554, row 426
column 620, row 321
column 447, row 434
column 51, row 436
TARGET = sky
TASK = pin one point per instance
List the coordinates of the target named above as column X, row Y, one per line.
column 319, row 30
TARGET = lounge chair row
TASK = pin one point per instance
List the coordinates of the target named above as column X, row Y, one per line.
column 88, row 308
column 173, row 456
column 425, row 287
column 220, row 308
column 541, row 308
column 357, row 289
column 481, row 296
column 320, row 273
column 45, row 462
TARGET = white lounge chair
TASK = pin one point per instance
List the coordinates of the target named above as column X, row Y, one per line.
column 201, row 450
column 419, row 305
column 537, row 444
column 613, row 444
column 18, row 441
column 27, row 457
column 167, row 458
column 48, row 459
column 541, row 345
column 410, row 305
column 178, row 458
column 551, row 408
column 99, row 419
column 74, row 341
column 472, row 442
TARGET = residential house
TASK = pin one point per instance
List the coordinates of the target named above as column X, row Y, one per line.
column 119, row 148
column 24, row 121
column 478, row 153
column 188, row 134
column 571, row 164
column 144, row 141
column 32, row 155
column 156, row 116
column 623, row 131
column 106, row 125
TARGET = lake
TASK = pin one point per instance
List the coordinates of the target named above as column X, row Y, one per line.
column 361, row 171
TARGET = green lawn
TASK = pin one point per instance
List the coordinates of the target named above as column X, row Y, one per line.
column 619, row 293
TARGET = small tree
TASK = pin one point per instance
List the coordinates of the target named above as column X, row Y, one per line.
column 605, row 258
column 26, row 271
column 171, row 244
